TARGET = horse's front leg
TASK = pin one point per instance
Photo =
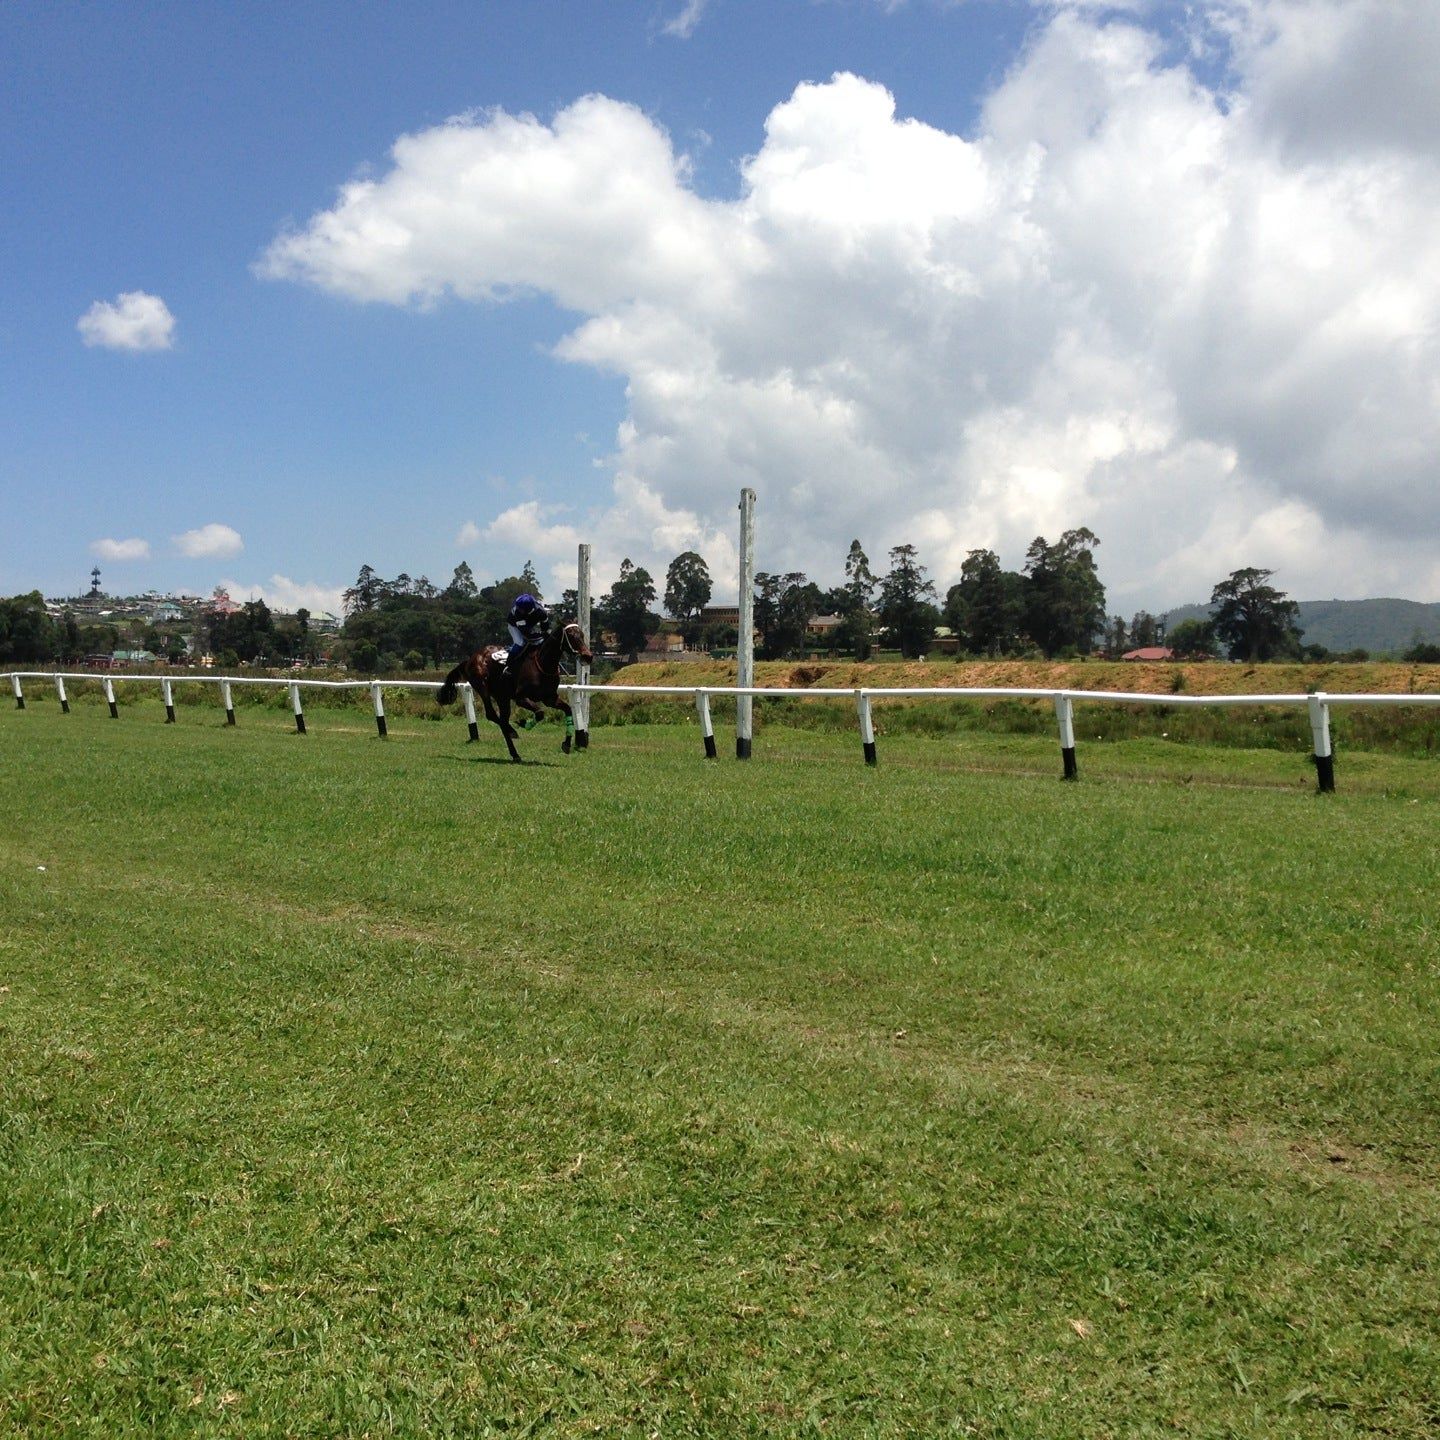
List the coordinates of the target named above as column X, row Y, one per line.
column 564, row 708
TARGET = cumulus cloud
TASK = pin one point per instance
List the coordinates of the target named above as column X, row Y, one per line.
column 1203, row 323
column 637, row 525
column 209, row 541
column 133, row 321
column 285, row 595
column 121, row 549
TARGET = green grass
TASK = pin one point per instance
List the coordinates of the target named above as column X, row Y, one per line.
column 363, row 1088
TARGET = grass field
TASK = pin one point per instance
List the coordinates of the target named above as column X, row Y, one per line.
column 382, row 1088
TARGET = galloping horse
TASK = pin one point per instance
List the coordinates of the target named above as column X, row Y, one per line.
column 532, row 683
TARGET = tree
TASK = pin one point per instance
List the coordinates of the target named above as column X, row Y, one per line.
column 987, row 608
column 462, row 584
column 364, row 594
column 853, row 601
column 1252, row 619
column 1423, row 652
column 1193, row 639
column 784, row 605
column 249, row 632
column 1064, row 601
column 26, row 631
column 907, row 608
column 625, row 608
column 1144, row 630
column 687, row 589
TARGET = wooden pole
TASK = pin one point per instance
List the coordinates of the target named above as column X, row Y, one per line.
column 581, row 703
column 745, row 646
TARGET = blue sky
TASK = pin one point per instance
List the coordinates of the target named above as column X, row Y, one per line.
column 316, row 413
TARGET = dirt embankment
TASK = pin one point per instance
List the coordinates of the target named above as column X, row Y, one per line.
column 1136, row 677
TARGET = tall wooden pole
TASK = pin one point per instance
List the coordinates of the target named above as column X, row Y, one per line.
column 745, row 678
column 581, row 707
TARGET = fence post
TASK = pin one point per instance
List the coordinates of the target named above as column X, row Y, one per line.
column 1065, row 714
column 467, row 692
column 168, row 692
column 867, row 727
column 582, row 670
column 60, row 691
column 707, row 730
column 745, row 640
column 1320, row 728
column 227, row 699
column 109, row 687
column 378, row 699
column 19, row 693
column 295, row 705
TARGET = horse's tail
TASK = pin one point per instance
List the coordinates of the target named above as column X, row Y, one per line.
column 449, row 689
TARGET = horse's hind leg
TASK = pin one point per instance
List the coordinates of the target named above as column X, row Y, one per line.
column 535, row 712
column 508, row 730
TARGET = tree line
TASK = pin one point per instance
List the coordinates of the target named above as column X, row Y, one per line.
column 1054, row 606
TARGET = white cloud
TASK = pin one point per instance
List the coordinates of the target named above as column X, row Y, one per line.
column 209, row 541
column 134, row 321
column 682, row 25
column 121, row 549
column 281, row 593
column 1206, row 325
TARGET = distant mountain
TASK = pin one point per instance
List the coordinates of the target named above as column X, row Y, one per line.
column 1379, row 626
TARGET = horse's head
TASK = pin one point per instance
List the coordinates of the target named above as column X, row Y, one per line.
column 574, row 639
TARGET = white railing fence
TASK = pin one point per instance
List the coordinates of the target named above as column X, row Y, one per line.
column 1317, row 704
column 108, row 681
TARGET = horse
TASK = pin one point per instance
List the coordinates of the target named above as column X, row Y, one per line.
column 534, row 683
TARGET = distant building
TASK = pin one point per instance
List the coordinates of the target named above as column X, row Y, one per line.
column 1150, row 652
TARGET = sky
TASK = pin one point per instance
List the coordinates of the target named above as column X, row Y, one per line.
column 286, row 290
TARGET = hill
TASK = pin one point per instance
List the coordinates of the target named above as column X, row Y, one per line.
column 1380, row 626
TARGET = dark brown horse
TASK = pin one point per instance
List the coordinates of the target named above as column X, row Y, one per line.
column 532, row 682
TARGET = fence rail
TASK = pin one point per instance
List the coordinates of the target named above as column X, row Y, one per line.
column 1318, row 704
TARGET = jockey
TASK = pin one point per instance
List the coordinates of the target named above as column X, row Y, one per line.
column 527, row 619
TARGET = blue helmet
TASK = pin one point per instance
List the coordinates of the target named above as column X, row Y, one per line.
column 524, row 604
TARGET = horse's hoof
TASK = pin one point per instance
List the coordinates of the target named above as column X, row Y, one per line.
column 565, row 748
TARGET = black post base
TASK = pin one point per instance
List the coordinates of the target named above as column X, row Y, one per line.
column 169, row 714
column 742, row 748
column 229, row 717
column 64, row 707
column 1072, row 771
column 380, row 725
column 710, row 751
column 299, row 724
column 1325, row 772
column 474, row 730
column 869, row 752
column 19, row 702
column 114, row 711
column 582, row 739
